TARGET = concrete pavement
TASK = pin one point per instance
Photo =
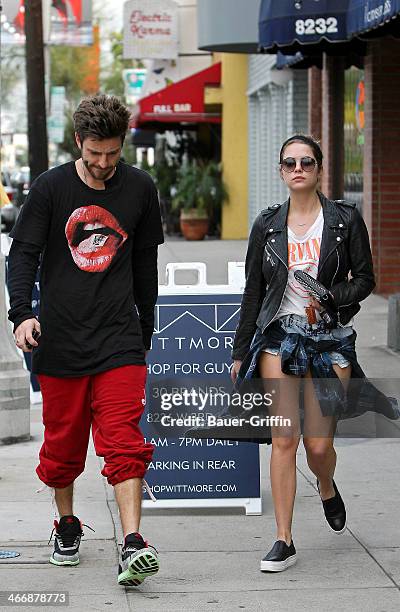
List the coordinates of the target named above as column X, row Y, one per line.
column 210, row 558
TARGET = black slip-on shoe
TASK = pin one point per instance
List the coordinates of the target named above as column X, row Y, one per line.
column 335, row 511
column 280, row 557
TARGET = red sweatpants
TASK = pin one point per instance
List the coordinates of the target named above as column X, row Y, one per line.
column 112, row 403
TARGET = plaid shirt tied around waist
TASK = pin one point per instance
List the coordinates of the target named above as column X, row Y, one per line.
column 299, row 353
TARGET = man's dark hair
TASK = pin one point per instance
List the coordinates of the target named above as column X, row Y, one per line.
column 308, row 140
column 101, row 117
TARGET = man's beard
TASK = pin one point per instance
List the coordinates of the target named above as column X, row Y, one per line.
column 99, row 174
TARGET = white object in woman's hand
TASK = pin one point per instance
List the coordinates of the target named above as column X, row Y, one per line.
column 235, row 367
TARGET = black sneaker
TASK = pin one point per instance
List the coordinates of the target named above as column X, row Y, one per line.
column 280, row 557
column 138, row 561
column 67, row 540
column 335, row 511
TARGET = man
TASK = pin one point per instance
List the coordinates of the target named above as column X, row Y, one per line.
column 96, row 225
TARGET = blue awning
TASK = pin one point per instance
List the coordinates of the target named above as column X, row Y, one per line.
column 367, row 15
column 300, row 61
column 290, row 26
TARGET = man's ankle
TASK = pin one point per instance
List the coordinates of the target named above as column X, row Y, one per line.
column 134, row 539
column 64, row 501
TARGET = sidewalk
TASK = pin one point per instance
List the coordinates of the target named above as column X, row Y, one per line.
column 210, row 559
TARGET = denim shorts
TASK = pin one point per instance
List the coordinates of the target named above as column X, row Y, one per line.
column 296, row 324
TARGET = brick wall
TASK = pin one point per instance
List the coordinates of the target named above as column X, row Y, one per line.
column 381, row 206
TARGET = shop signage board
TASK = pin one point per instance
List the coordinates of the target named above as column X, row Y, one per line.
column 150, row 29
column 134, row 79
column 194, row 330
column 56, row 119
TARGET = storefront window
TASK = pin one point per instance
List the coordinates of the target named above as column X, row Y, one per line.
column 354, row 125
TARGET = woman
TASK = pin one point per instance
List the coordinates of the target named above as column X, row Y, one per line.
column 281, row 335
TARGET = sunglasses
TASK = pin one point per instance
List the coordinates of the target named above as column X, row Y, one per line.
column 307, row 164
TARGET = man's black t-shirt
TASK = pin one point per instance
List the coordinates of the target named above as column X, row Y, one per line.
column 89, row 240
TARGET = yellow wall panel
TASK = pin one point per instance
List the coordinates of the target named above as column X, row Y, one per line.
column 235, row 145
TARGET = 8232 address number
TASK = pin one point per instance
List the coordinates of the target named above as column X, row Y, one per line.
column 308, row 27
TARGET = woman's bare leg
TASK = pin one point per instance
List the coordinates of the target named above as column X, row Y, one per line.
column 319, row 434
column 284, row 444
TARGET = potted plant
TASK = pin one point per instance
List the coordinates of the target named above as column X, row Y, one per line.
column 199, row 195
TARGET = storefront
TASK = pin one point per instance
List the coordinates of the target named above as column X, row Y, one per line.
column 358, row 119
column 192, row 105
column 378, row 22
column 182, row 122
column 181, row 103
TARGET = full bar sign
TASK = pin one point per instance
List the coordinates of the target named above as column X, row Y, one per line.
column 150, row 29
column 172, row 108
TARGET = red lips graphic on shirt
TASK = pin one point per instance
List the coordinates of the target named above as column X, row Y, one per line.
column 94, row 236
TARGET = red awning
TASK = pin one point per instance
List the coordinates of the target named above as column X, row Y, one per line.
column 181, row 102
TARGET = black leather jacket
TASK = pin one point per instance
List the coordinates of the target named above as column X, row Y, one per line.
column 344, row 248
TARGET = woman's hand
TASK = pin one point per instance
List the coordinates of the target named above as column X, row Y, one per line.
column 235, row 367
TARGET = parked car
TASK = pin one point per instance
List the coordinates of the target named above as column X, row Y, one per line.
column 20, row 180
column 8, row 217
column 7, row 184
column 8, row 211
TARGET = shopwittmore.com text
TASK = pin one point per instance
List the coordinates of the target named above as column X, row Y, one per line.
column 209, row 420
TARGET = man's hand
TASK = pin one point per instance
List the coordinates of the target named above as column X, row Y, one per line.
column 235, row 369
column 23, row 335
